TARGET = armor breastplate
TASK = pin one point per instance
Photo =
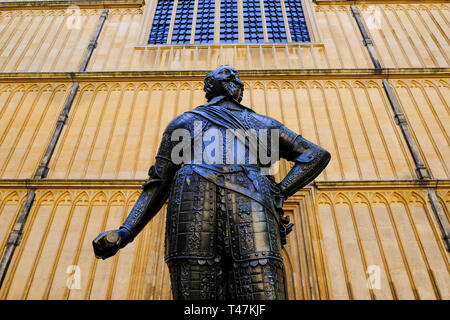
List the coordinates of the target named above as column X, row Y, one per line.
column 209, row 213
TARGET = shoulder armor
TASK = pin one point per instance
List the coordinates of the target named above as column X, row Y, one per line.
column 262, row 121
column 183, row 121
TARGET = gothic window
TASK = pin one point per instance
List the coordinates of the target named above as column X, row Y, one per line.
column 253, row 26
column 274, row 21
column 228, row 21
column 297, row 22
column 182, row 26
column 235, row 21
column 204, row 28
column 160, row 27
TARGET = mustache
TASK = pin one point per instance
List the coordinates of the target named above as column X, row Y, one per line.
column 232, row 85
column 234, row 89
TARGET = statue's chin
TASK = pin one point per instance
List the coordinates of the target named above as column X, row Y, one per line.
column 234, row 90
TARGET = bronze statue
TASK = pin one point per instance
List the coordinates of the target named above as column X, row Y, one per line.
column 225, row 224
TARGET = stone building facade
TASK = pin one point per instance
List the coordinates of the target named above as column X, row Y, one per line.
column 84, row 99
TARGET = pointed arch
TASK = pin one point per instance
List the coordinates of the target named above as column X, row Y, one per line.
column 82, row 199
column 428, row 84
column 198, row 86
column 171, row 87
column 6, row 88
column 378, row 198
column 415, row 197
column 103, row 87
column 258, row 86
column 89, row 88
column 360, row 198
column 443, row 83
column 300, row 85
column 415, row 84
column 99, row 198
column 396, row 197
column 315, row 85
column 330, row 85
column 359, row 84
column 117, row 199
column 373, row 84
column 132, row 198
column 272, row 85
column 116, row 87
column 33, row 88
column 46, row 88
column 129, row 87
column 185, row 86
column 156, row 87
column 48, row 198
column 60, row 88
column 344, row 84
column 11, row 198
column 324, row 199
column 341, row 198
column 286, row 85
column 142, row 87
column 64, row 199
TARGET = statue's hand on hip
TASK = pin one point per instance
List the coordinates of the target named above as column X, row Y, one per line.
column 109, row 242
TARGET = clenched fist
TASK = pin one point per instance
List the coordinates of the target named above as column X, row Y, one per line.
column 109, row 242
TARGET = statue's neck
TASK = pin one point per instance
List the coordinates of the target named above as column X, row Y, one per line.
column 227, row 102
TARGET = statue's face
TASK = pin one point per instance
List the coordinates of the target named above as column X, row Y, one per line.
column 225, row 81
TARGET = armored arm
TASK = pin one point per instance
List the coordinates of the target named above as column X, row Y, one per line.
column 310, row 160
column 155, row 192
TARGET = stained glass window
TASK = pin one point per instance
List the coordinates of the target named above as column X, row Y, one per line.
column 204, row 29
column 182, row 26
column 274, row 21
column 228, row 21
column 253, row 27
column 161, row 22
column 278, row 14
column 297, row 22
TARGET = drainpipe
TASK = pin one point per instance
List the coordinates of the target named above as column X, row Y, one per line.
column 422, row 172
column 15, row 235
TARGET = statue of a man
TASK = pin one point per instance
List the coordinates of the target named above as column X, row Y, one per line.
column 225, row 225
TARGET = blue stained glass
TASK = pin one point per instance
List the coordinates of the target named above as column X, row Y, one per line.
column 296, row 19
column 252, row 16
column 204, row 29
column 228, row 21
column 274, row 21
column 161, row 22
column 183, row 22
column 253, row 28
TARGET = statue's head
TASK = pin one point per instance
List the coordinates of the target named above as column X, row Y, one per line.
column 224, row 81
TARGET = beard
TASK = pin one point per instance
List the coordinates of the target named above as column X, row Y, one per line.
column 233, row 89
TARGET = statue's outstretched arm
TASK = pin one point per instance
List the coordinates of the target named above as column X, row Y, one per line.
column 155, row 192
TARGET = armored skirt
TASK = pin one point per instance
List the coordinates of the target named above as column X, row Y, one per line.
column 222, row 237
